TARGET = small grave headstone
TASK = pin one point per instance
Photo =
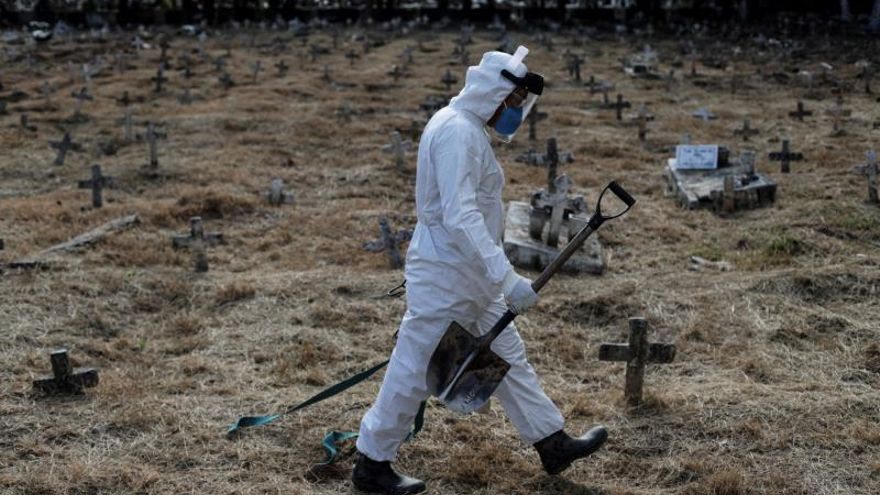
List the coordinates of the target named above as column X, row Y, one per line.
column 389, row 241
column 65, row 379
column 97, row 184
column 785, row 157
column 398, row 148
column 637, row 353
column 276, row 194
column 800, row 113
column 198, row 241
column 746, row 131
column 62, row 147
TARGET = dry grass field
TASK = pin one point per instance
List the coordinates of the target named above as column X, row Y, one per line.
column 776, row 384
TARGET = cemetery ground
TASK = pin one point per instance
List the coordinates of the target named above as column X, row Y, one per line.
column 774, row 387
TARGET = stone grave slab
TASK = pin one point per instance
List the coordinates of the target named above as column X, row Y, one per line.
column 705, row 188
column 526, row 252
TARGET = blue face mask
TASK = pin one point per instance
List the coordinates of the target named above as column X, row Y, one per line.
column 509, row 120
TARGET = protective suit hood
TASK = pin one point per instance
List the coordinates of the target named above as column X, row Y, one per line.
column 484, row 87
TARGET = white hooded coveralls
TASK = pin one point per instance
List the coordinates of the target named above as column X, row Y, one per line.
column 455, row 266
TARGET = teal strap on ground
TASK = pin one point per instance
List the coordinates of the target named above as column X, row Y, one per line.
column 332, row 443
column 251, row 421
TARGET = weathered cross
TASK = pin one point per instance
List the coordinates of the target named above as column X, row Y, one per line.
column 128, row 125
column 159, row 79
column 219, row 64
column 637, row 354
column 871, row 170
column 746, row 131
column 449, row 79
column 282, row 67
column 197, row 241
column 23, row 122
column 65, row 379
column 837, row 115
column 619, row 105
column 3, row 108
column 574, row 66
column 152, row 137
column 351, row 55
column 256, row 67
column 785, row 157
column 97, row 184
column 643, row 117
column 800, row 113
column 81, row 96
column 66, row 144
column 276, row 194
column 389, row 241
column 534, row 117
column 398, row 148
column 226, row 80
column 46, row 90
column 396, row 72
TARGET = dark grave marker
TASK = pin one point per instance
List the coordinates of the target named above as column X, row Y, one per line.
column 619, row 105
column 389, row 241
column 870, row 170
column 398, row 148
column 152, row 138
column 24, row 124
column 159, row 79
column 448, row 80
column 351, row 55
column 219, row 64
column 396, row 72
column 574, row 66
column 65, row 379
column 785, row 157
column 185, row 97
column 282, row 67
column 534, row 117
column 800, row 113
column 746, row 131
column 276, row 194
column 62, row 147
column 838, row 113
column 637, row 353
column 81, row 96
column 3, row 108
column 226, row 81
column 345, row 112
column 198, row 241
column 97, row 184
column 256, row 67
column 643, row 118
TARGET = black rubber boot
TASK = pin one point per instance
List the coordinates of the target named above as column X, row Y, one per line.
column 377, row 477
column 559, row 450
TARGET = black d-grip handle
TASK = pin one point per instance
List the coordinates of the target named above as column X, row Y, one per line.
column 621, row 193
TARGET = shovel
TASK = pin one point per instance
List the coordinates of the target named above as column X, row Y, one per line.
column 464, row 372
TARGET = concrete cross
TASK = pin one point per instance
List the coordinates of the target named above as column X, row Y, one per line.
column 619, row 106
column 746, row 131
column 198, row 241
column 282, row 67
column 398, row 148
column 800, row 113
column 276, row 194
column 785, row 157
column 838, row 113
column 159, row 79
column 65, row 379
column 66, row 144
column 256, row 67
column 705, row 114
column 389, row 241
column 449, row 79
column 534, row 117
column 637, row 354
column 97, row 184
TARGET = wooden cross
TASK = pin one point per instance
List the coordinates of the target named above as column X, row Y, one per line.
column 46, row 90
column 389, row 241
column 574, row 66
column 871, row 170
column 219, row 64
column 351, row 55
column 159, row 79
column 81, row 96
column 637, row 354
column 97, row 184
column 187, row 68
column 256, row 67
column 24, row 124
column 644, row 116
column 66, row 144
column 800, row 113
column 125, row 100
column 65, row 379
column 398, row 148
column 619, row 106
column 785, row 157
column 729, row 196
column 396, row 72
column 276, row 194
column 197, row 241
column 746, row 131
column 449, row 79
column 282, row 67
column 152, row 138
column 534, row 117
column 226, row 80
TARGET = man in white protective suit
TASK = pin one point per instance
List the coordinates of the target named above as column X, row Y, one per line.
column 456, row 270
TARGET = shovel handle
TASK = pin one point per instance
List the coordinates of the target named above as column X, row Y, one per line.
column 574, row 244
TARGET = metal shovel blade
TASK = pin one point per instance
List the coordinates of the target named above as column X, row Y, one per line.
column 463, row 372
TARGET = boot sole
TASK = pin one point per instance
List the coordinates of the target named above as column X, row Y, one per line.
column 588, row 454
column 377, row 489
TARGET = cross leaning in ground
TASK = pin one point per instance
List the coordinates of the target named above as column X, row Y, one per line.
column 65, row 379
column 637, row 353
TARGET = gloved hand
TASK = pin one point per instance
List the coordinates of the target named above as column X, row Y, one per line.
column 518, row 292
